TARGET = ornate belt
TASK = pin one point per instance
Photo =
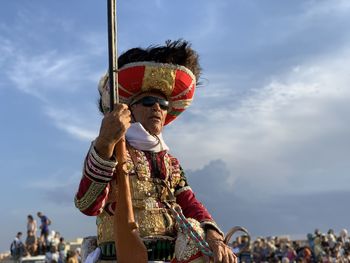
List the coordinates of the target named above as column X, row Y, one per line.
column 158, row 250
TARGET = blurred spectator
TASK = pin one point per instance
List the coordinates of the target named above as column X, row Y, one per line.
column 54, row 238
column 343, row 234
column 244, row 249
column 41, row 246
column 52, row 255
column 257, row 251
column 31, row 243
column 331, row 239
column 31, row 224
column 72, row 257
column 61, row 250
column 290, row 253
column 45, row 222
column 78, row 254
column 318, row 251
column 17, row 248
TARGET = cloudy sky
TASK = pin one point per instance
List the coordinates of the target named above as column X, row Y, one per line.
column 265, row 144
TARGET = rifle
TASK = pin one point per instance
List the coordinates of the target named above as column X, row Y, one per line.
column 129, row 246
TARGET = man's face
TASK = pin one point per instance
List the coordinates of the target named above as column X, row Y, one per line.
column 152, row 117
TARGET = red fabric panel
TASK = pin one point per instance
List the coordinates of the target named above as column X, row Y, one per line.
column 131, row 79
column 182, row 82
column 191, row 207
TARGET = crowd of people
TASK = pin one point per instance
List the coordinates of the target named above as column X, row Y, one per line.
column 317, row 247
column 48, row 243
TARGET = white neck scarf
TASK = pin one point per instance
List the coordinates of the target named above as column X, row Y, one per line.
column 142, row 140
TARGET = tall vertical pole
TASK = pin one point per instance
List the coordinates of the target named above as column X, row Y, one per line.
column 129, row 245
column 112, row 53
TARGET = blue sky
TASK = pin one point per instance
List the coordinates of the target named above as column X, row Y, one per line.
column 265, row 144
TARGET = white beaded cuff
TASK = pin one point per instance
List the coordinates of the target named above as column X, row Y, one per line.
column 111, row 164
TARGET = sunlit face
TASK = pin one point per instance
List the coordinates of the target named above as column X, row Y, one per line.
column 152, row 117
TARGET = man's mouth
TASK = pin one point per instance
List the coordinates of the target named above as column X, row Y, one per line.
column 157, row 118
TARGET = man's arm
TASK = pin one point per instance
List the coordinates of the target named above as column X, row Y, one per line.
column 191, row 207
column 100, row 162
column 94, row 185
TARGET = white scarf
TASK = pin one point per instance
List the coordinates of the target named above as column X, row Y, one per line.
column 142, row 140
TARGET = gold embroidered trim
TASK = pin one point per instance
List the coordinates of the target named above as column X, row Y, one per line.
column 161, row 65
column 186, row 247
column 90, row 196
column 168, row 168
column 147, row 193
column 153, row 222
column 105, row 228
column 161, row 78
column 178, row 104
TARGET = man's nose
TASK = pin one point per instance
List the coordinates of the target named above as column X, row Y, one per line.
column 156, row 106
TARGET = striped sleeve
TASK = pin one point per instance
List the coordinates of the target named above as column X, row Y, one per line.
column 94, row 185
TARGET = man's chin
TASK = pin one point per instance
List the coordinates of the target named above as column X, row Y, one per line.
column 154, row 130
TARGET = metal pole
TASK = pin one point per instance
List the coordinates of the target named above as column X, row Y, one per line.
column 112, row 53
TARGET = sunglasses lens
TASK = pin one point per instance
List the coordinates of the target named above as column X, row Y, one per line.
column 150, row 101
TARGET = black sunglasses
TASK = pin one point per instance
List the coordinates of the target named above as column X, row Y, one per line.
column 149, row 101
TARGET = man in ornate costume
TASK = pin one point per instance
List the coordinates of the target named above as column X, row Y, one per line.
column 155, row 85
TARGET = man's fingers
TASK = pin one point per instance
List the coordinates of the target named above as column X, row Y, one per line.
column 121, row 110
column 232, row 258
column 120, row 106
column 225, row 255
column 219, row 256
column 125, row 118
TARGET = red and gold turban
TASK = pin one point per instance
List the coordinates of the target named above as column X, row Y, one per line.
column 176, row 82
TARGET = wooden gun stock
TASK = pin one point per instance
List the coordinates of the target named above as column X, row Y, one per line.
column 129, row 246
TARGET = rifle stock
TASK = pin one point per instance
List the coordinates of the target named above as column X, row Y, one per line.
column 129, row 246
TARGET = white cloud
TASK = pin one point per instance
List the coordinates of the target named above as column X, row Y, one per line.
column 6, row 49
column 54, row 75
column 279, row 135
column 316, row 8
column 37, row 75
column 73, row 123
column 49, row 76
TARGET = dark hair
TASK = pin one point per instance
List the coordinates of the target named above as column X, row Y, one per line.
column 178, row 52
column 30, row 217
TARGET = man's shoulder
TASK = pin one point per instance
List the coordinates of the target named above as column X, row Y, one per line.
column 173, row 159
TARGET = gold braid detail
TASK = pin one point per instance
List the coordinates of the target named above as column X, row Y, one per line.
column 90, row 196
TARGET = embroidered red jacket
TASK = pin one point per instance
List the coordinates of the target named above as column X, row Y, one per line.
column 94, row 188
